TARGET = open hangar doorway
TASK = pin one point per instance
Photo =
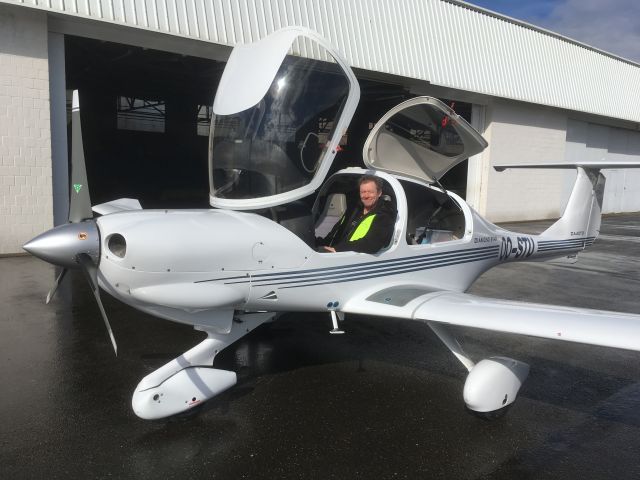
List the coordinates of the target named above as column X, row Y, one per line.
column 145, row 121
column 146, row 117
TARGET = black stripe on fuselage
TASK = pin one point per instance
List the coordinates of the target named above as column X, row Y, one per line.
column 372, row 269
column 352, row 267
column 380, row 270
column 571, row 243
column 405, row 270
column 431, row 260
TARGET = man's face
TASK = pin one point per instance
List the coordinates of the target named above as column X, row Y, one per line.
column 369, row 194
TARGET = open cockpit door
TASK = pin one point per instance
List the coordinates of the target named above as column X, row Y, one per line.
column 277, row 119
column 421, row 138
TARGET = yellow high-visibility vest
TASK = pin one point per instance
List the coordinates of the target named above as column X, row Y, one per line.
column 362, row 229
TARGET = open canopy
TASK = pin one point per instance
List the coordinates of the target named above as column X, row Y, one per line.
column 421, row 138
column 277, row 120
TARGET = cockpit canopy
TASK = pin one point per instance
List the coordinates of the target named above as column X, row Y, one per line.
column 421, row 138
column 277, row 120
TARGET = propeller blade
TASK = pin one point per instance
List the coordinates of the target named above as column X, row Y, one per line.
column 55, row 286
column 91, row 272
column 79, row 198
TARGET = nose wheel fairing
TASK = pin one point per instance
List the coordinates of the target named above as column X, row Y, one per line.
column 190, row 379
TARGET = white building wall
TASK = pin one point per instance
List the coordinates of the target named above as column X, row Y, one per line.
column 524, row 133
column 25, row 134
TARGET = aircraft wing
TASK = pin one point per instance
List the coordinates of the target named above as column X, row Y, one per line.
column 595, row 327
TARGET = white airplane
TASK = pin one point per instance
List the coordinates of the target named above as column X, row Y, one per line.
column 229, row 269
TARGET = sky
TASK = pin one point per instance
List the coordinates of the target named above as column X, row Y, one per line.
column 610, row 25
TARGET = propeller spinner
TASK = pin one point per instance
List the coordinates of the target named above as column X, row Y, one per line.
column 62, row 245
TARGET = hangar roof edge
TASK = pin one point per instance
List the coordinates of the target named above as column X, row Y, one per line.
column 539, row 29
column 448, row 43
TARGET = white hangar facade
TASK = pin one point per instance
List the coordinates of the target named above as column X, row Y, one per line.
column 147, row 72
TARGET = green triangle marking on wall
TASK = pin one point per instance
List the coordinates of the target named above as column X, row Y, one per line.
column 77, row 187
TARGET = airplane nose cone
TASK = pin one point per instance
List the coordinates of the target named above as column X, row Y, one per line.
column 61, row 245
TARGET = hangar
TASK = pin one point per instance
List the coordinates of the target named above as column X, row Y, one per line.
column 147, row 72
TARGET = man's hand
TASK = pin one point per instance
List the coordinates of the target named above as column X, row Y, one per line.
column 330, row 249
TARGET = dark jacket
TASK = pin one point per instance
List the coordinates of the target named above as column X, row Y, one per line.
column 378, row 234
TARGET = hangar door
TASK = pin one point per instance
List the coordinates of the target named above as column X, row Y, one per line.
column 146, row 116
column 145, row 121
column 589, row 141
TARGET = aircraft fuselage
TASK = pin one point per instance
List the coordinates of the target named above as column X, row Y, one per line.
column 179, row 264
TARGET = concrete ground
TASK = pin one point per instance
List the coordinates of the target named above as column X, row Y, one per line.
column 382, row 401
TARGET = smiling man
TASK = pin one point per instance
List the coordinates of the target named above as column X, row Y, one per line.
column 367, row 228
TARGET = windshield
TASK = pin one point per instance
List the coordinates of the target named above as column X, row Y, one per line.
column 277, row 145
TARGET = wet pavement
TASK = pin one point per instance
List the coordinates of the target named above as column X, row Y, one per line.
column 382, row 401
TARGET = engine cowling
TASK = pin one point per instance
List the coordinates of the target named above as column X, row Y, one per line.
column 493, row 384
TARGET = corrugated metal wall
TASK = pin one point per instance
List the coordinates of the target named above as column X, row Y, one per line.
column 445, row 43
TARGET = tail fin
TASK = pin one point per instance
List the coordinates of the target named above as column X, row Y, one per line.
column 582, row 215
